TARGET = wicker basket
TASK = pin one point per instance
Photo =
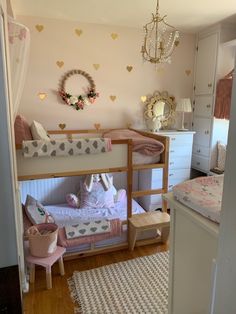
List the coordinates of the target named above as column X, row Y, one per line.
column 42, row 239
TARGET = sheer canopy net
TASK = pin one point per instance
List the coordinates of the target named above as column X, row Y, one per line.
column 19, row 42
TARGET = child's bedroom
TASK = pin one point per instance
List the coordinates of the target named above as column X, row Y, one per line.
column 117, row 157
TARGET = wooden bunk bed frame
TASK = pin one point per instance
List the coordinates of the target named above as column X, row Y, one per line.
column 128, row 168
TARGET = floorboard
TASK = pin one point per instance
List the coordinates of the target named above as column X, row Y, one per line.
column 57, row 300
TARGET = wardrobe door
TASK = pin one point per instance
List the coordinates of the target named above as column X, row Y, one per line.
column 203, row 106
column 206, row 64
column 203, row 127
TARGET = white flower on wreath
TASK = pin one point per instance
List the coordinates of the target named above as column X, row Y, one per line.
column 73, row 100
column 86, row 102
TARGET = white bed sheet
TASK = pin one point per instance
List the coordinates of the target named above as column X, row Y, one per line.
column 65, row 215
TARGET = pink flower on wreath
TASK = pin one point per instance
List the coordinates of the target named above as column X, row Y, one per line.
column 91, row 100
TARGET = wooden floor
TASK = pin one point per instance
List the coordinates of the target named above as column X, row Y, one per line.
column 57, row 300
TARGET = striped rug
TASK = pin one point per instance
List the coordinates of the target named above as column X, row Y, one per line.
column 135, row 286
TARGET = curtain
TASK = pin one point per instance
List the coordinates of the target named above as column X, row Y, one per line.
column 19, row 42
column 223, row 97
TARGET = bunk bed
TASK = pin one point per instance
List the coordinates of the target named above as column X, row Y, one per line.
column 119, row 159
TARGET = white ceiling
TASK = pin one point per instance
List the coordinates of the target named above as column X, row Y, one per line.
column 186, row 15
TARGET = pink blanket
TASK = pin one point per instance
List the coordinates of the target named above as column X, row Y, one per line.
column 141, row 144
column 115, row 231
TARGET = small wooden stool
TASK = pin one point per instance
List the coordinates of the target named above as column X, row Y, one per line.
column 46, row 262
column 147, row 221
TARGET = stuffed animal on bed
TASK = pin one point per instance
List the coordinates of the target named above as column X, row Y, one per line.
column 96, row 191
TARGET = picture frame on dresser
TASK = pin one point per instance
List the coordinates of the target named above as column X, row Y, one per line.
column 180, row 156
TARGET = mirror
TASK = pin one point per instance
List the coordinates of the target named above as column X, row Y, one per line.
column 159, row 111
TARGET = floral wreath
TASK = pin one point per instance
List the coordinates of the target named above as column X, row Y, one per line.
column 80, row 101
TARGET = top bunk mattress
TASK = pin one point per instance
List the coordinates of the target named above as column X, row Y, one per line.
column 204, row 195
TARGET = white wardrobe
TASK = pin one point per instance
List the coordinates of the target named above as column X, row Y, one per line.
column 214, row 59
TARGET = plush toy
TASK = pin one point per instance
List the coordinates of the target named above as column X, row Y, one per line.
column 72, row 200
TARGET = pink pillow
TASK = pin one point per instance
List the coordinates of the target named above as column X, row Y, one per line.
column 97, row 198
column 72, row 200
column 22, row 130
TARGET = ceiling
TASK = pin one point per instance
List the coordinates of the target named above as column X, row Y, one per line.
column 186, row 15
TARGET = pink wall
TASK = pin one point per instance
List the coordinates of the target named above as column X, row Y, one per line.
column 57, row 40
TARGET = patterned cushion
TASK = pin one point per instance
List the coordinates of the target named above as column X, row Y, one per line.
column 221, row 156
column 35, row 211
column 97, row 198
column 22, row 130
column 38, row 131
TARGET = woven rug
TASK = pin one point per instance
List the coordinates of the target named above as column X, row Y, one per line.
column 135, row 286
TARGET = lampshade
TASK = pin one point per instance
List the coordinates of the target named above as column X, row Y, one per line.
column 184, row 105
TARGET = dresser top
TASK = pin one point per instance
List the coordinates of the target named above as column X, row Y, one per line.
column 171, row 132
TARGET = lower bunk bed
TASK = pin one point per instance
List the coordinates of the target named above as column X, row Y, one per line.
column 81, row 230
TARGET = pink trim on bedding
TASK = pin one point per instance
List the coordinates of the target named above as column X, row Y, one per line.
column 115, row 231
column 141, row 144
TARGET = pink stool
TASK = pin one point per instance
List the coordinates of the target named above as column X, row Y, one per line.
column 46, row 262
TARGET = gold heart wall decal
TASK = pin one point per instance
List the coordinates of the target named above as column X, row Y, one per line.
column 129, row 68
column 96, row 66
column 39, row 27
column 187, row 72
column 143, row 98
column 60, row 64
column 97, row 126
column 129, row 125
column 42, row 96
column 113, row 97
column 78, row 32
column 114, row 36
column 62, row 126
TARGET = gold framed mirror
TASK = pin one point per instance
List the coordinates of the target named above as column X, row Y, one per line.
column 159, row 111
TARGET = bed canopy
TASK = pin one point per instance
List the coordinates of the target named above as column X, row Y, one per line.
column 19, row 42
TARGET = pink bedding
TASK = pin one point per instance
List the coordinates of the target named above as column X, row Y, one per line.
column 115, row 231
column 144, row 145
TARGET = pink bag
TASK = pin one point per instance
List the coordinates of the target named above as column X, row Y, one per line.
column 42, row 239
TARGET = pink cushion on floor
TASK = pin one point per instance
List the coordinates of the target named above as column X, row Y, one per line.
column 22, row 130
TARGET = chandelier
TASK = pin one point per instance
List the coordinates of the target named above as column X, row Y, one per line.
column 160, row 39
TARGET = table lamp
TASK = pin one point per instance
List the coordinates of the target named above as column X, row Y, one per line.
column 183, row 105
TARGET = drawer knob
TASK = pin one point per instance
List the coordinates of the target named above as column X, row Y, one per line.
column 208, row 106
column 171, row 163
column 171, row 186
column 198, row 163
column 206, row 132
column 199, row 151
column 173, row 138
column 172, row 151
column 171, row 174
column 209, row 85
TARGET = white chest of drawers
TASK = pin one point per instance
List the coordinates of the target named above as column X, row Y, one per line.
column 180, row 154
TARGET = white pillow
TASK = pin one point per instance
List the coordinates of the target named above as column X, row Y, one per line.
column 38, row 131
column 35, row 211
column 221, row 156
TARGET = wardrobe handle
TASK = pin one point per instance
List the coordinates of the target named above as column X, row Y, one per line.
column 171, row 186
column 171, row 163
column 209, row 85
column 173, row 138
column 206, row 132
column 198, row 163
column 199, row 151
column 208, row 106
column 171, row 174
column 172, row 151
